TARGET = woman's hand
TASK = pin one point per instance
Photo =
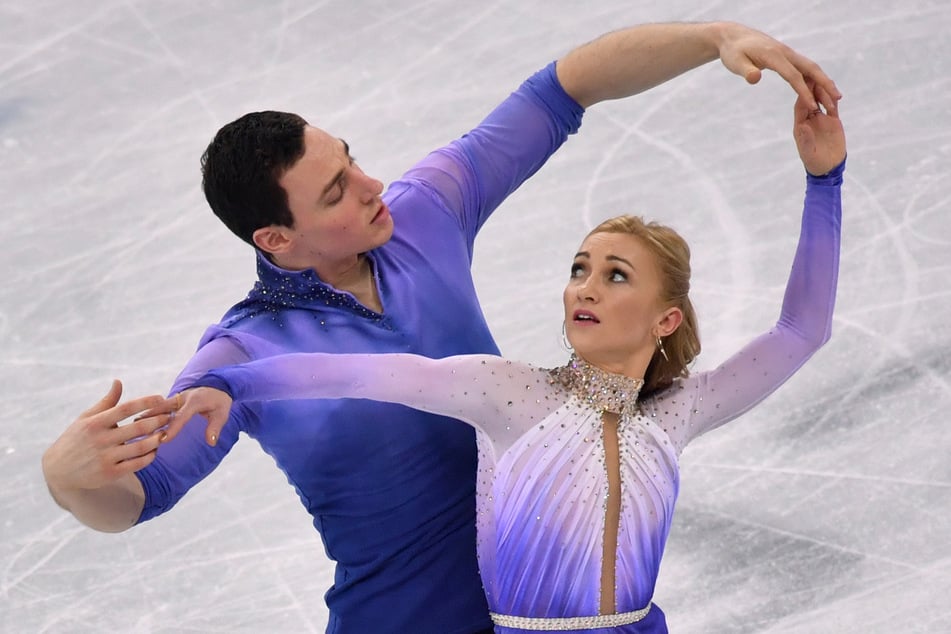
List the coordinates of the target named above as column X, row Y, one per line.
column 819, row 134
column 213, row 405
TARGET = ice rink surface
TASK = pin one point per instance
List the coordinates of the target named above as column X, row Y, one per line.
column 825, row 510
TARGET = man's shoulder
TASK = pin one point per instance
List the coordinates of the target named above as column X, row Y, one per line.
column 258, row 330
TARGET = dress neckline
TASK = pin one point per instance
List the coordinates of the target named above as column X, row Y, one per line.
column 601, row 390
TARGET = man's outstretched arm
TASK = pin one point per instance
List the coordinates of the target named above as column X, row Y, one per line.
column 629, row 61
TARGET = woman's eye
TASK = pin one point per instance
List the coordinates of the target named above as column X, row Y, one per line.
column 618, row 276
column 576, row 270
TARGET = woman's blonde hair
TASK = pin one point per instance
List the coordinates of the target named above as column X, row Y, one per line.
column 672, row 255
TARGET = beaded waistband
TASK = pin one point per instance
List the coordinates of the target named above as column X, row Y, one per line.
column 569, row 623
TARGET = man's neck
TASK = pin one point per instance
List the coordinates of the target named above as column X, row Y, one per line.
column 354, row 277
column 359, row 281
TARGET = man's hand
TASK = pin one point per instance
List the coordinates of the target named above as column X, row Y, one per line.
column 747, row 52
column 90, row 468
column 95, row 450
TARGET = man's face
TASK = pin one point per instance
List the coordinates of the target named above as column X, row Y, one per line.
column 337, row 209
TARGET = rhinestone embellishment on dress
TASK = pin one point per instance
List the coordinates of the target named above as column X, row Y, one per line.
column 601, row 390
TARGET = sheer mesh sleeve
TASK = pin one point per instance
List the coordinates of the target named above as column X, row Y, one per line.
column 501, row 398
column 709, row 399
column 187, row 459
column 476, row 172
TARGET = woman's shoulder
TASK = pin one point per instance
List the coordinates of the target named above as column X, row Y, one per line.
column 680, row 392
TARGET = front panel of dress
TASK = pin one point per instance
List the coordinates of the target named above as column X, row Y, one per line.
column 541, row 531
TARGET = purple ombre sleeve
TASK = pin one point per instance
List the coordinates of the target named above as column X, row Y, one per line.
column 408, row 379
column 810, row 292
column 486, row 391
column 475, row 173
column 709, row 399
column 187, row 459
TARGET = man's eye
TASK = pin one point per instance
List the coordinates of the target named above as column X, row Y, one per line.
column 336, row 199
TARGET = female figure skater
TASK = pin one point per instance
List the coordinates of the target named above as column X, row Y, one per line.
column 579, row 464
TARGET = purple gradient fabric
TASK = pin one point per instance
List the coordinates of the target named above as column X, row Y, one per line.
column 541, row 480
column 390, row 489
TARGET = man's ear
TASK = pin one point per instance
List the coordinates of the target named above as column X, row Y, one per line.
column 669, row 322
column 273, row 239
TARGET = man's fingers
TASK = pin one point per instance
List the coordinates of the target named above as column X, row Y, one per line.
column 832, row 94
column 788, row 71
column 107, row 401
column 802, row 110
column 799, row 71
column 831, row 105
column 137, row 464
column 136, row 456
column 118, row 413
column 140, row 428
column 829, row 93
column 751, row 70
column 167, row 406
column 128, row 457
column 140, row 445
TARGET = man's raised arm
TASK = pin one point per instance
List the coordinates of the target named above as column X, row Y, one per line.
column 629, row 61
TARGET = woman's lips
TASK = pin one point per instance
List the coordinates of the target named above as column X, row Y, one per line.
column 585, row 317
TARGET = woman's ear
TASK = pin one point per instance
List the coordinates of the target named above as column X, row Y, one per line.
column 273, row 239
column 670, row 320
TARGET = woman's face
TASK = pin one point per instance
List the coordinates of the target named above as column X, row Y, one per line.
column 612, row 303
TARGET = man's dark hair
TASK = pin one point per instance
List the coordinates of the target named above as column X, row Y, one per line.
column 242, row 166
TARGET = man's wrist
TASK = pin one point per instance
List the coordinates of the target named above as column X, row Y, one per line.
column 717, row 33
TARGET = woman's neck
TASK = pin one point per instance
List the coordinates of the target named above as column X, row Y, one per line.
column 602, row 390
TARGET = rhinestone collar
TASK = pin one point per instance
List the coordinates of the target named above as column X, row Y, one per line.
column 600, row 390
